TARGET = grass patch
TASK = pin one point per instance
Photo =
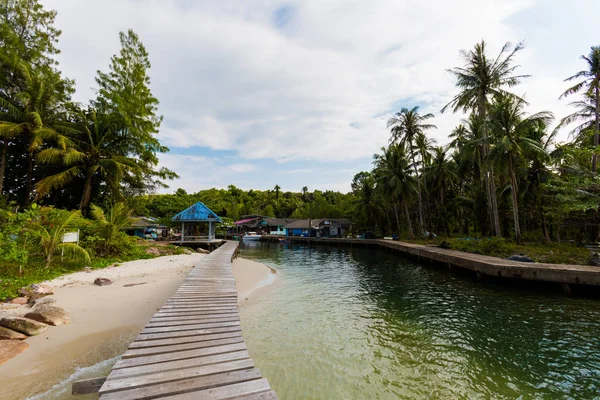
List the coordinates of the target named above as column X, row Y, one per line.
column 553, row 253
column 12, row 277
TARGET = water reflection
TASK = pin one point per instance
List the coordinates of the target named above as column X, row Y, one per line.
column 359, row 323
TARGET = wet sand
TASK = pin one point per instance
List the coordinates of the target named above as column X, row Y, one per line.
column 104, row 320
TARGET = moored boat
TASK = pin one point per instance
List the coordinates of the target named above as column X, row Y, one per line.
column 251, row 236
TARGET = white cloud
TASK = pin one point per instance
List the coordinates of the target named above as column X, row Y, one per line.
column 321, row 85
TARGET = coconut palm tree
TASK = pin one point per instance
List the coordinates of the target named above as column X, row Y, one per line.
column 31, row 113
column 95, row 154
column 479, row 80
column 590, row 82
column 440, row 177
column 511, row 129
column 408, row 131
column 584, row 117
column 392, row 171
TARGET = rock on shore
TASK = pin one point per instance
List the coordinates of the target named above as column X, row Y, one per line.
column 9, row 334
column 24, row 325
column 49, row 314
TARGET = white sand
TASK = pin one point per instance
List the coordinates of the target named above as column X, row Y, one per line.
column 249, row 277
column 104, row 320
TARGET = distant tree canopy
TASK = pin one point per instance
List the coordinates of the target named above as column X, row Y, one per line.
column 233, row 203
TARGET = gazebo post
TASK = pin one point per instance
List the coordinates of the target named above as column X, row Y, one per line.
column 182, row 231
column 209, row 230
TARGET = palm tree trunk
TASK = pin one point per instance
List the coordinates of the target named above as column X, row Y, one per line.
column 597, row 131
column 87, row 192
column 410, row 228
column 29, row 184
column 3, row 164
column 420, row 201
column 514, row 192
column 397, row 219
column 489, row 173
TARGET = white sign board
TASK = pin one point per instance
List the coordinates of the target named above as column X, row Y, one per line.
column 71, row 237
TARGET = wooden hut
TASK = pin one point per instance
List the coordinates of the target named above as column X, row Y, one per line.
column 193, row 220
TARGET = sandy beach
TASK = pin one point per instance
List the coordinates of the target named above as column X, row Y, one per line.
column 104, row 320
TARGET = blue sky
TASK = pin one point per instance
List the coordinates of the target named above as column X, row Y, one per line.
column 297, row 93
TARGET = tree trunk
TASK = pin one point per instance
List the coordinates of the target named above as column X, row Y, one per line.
column 29, row 183
column 597, row 131
column 87, row 192
column 488, row 173
column 397, row 219
column 545, row 229
column 3, row 164
column 515, row 199
column 495, row 216
column 418, row 193
column 410, row 228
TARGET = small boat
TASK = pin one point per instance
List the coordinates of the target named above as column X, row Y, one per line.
column 251, row 236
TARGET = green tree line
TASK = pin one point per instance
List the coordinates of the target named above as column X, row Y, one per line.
column 503, row 173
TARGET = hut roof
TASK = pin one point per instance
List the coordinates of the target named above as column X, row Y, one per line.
column 196, row 213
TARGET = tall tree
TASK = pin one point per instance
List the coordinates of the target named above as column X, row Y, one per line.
column 33, row 113
column 511, row 130
column 125, row 89
column 392, row 172
column 94, row 155
column 590, row 83
column 408, row 130
column 479, row 80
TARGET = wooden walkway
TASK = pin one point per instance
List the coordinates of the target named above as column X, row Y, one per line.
column 193, row 346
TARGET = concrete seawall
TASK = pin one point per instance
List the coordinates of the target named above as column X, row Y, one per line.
column 492, row 266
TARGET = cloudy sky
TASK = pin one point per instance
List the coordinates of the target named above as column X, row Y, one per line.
column 297, row 93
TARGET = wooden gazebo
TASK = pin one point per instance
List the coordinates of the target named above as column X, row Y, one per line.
column 190, row 219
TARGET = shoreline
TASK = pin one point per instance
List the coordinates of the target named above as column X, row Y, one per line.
column 104, row 321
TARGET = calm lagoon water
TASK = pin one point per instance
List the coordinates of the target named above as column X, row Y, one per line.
column 347, row 323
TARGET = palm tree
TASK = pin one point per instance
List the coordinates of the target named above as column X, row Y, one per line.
column 408, row 130
column 585, row 117
column 479, row 80
column 392, row 171
column 591, row 83
column 119, row 217
column 94, row 155
column 441, row 175
column 511, row 130
column 32, row 113
column 277, row 189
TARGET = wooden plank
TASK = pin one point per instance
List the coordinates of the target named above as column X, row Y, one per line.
column 225, row 392
column 190, row 321
column 184, row 340
column 112, row 385
column 198, row 317
column 87, row 386
column 180, row 355
column 178, row 364
column 150, row 351
column 189, row 312
column 185, row 386
column 181, row 328
column 197, row 332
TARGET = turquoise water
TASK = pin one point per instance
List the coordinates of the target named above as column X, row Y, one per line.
column 353, row 323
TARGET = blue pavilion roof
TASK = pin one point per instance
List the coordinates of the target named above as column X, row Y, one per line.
column 196, row 213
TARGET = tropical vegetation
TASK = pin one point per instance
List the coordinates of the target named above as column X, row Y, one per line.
column 502, row 181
